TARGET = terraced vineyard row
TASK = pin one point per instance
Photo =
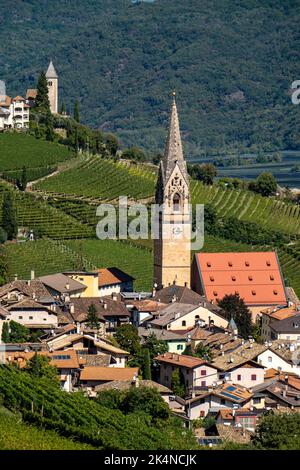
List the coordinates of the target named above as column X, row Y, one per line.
column 246, row 205
column 102, row 179
column 48, row 221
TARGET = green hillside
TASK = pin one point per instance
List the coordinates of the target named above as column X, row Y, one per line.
column 100, row 179
column 18, row 150
column 232, row 63
column 17, row 435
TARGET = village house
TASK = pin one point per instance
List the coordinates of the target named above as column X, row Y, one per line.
column 121, row 385
column 67, row 364
column 255, row 276
column 62, row 287
column 175, row 341
column 14, row 113
column 110, row 309
column 280, row 355
column 282, row 393
column 212, row 400
column 92, row 376
column 197, row 373
column 280, row 324
column 243, row 418
column 33, row 314
column 87, row 345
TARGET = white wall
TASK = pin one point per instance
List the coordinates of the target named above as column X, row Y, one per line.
column 271, row 360
column 191, row 318
column 40, row 317
column 246, row 373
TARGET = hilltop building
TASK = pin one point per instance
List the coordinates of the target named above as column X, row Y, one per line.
column 14, row 113
column 52, row 81
column 172, row 246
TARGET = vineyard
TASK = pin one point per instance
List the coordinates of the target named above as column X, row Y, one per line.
column 17, row 435
column 18, row 150
column 49, row 256
column 73, row 415
column 104, row 180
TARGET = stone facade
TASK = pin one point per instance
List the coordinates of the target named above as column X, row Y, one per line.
column 52, row 81
column 173, row 246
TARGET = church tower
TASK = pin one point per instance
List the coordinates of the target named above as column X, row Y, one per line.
column 172, row 249
column 52, row 81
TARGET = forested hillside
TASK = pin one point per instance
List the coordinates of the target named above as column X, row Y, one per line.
column 231, row 62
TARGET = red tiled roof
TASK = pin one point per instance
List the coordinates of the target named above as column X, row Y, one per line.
column 182, row 360
column 254, row 276
column 18, row 98
column 110, row 276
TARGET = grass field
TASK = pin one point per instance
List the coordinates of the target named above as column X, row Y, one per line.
column 18, row 150
column 17, row 435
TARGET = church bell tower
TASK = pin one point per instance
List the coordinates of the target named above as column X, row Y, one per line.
column 172, row 248
column 52, row 82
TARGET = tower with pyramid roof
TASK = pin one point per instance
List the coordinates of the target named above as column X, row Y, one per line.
column 172, row 248
column 52, row 81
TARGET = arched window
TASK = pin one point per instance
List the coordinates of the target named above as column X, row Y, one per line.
column 176, row 203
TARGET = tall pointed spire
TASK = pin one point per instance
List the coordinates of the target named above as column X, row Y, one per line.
column 173, row 150
column 51, row 72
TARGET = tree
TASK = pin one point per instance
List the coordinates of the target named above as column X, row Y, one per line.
column 63, row 108
column 177, row 383
column 5, row 333
column 205, row 172
column 265, row 184
column 39, row 366
column 42, row 98
column 22, row 181
column 112, row 144
column 155, row 346
column 278, row 431
column 232, row 306
column 134, row 153
column 76, row 111
column 9, row 219
column 128, row 339
column 147, row 364
column 3, row 235
column 18, row 333
column 204, row 352
column 92, row 320
column 110, row 398
column 146, row 400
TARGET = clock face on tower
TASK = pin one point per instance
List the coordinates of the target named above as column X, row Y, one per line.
column 177, row 231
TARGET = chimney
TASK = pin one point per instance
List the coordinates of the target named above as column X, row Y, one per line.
column 33, row 295
column 72, row 308
column 78, row 328
column 114, row 296
column 154, row 290
column 67, row 286
column 105, row 306
column 28, row 282
column 16, row 277
column 32, row 275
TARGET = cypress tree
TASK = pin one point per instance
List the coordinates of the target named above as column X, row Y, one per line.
column 147, row 365
column 9, row 219
column 5, row 333
column 76, row 111
column 92, row 319
column 42, row 99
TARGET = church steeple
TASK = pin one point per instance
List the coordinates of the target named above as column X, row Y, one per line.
column 172, row 248
column 173, row 149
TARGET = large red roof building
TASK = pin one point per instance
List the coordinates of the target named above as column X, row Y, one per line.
column 255, row 276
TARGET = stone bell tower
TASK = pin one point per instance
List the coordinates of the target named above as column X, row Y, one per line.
column 172, row 249
column 52, row 82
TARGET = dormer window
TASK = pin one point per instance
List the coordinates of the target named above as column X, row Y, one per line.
column 212, row 278
column 253, row 292
column 247, row 263
column 237, row 292
column 268, row 263
column 208, row 264
column 233, row 278
column 275, row 292
column 250, row 278
column 271, row 278
column 230, row 263
column 215, row 293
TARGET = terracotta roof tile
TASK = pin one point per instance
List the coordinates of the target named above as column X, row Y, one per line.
column 255, row 276
column 181, row 360
column 111, row 276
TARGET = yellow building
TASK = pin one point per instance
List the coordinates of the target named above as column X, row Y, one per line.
column 88, row 279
